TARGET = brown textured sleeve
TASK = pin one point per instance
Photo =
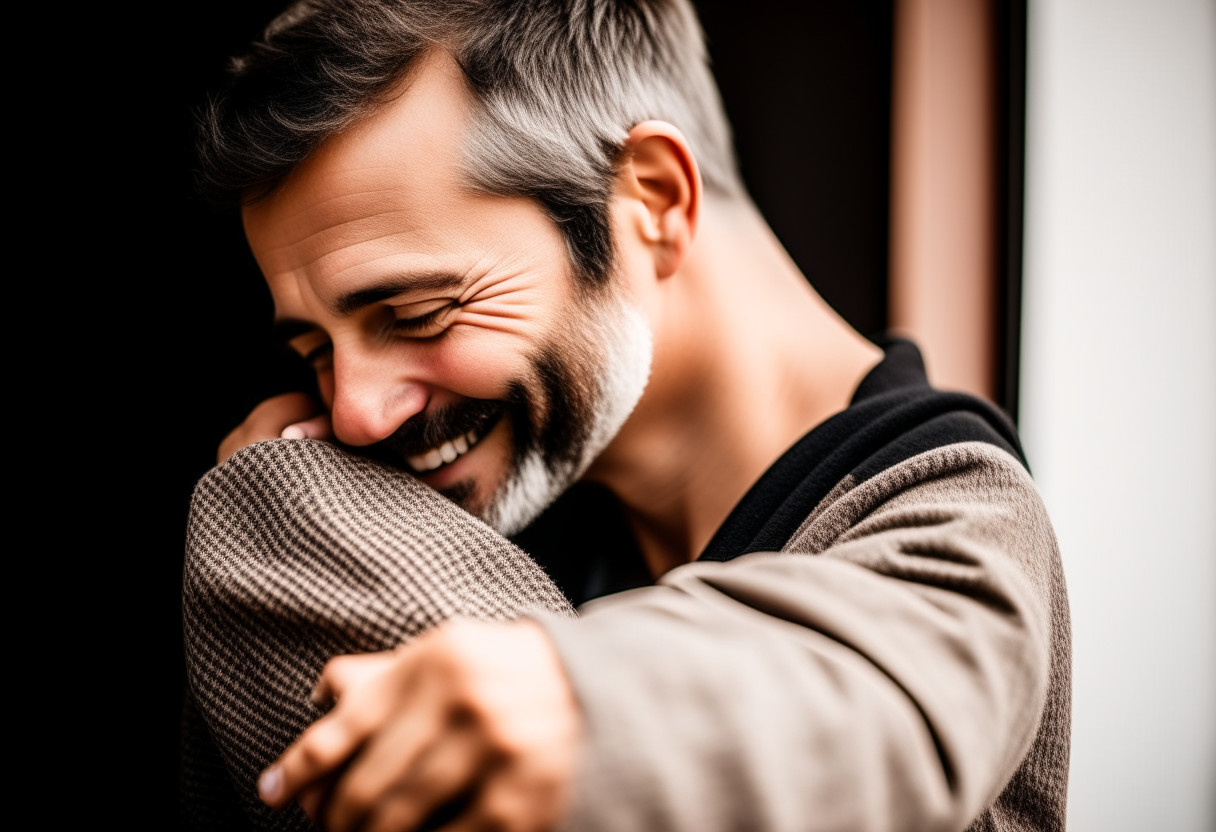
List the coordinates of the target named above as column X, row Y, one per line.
column 296, row 552
column 889, row 670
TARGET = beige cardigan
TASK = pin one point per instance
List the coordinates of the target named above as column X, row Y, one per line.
column 902, row 664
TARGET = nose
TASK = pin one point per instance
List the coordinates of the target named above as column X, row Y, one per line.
column 372, row 396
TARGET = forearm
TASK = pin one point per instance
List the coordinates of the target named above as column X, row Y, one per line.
column 893, row 680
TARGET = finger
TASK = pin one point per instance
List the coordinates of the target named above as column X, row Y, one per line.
column 492, row 809
column 313, row 796
column 319, row 751
column 333, row 739
column 318, row 427
column 293, row 407
column 344, row 672
column 267, row 421
column 403, row 779
column 386, row 759
column 397, row 814
column 511, row 797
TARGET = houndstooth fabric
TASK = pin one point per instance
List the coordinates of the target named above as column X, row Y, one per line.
column 296, row 552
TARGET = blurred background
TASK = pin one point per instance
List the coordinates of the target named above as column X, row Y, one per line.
column 1118, row 396
column 1027, row 189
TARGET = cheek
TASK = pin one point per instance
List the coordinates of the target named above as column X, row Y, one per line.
column 479, row 365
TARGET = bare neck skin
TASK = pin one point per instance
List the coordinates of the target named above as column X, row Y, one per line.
column 748, row 359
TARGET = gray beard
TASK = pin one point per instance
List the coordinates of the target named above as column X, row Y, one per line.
column 625, row 355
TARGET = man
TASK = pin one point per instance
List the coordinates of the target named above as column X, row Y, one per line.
column 510, row 239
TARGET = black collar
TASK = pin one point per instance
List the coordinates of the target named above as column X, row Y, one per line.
column 585, row 545
column 891, row 402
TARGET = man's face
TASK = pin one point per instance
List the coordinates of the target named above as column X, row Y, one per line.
column 444, row 326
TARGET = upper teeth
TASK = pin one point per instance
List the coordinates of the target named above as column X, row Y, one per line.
column 445, row 453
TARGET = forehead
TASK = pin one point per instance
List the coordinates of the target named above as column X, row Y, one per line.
column 390, row 187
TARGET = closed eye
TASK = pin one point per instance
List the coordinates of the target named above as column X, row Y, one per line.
column 319, row 354
column 427, row 325
column 314, row 347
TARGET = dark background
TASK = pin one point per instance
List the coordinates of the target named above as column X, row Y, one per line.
column 187, row 354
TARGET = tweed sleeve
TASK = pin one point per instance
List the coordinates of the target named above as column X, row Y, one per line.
column 296, row 552
column 891, row 669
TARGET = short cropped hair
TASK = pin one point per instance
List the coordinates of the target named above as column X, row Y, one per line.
column 557, row 85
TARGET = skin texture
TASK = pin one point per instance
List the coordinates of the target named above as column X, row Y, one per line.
column 747, row 359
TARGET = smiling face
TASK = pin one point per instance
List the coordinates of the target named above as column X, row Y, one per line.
column 446, row 329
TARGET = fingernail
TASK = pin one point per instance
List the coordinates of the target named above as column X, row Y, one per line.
column 292, row 432
column 270, row 784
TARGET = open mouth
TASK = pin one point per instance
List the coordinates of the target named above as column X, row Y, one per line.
column 428, row 441
column 448, row 452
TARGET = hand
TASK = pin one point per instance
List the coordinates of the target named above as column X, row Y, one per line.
column 469, row 710
column 290, row 416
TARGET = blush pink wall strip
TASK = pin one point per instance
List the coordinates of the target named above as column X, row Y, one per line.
column 943, row 265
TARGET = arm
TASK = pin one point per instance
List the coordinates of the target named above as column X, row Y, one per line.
column 888, row 671
column 297, row 552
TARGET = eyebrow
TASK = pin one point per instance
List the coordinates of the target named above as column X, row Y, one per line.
column 428, row 282
column 284, row 329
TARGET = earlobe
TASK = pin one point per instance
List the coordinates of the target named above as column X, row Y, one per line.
column 662, row 175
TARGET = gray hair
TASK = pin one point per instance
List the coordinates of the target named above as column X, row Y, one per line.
column 557, row 85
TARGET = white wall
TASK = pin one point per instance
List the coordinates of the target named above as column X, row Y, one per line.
column 1119, row 390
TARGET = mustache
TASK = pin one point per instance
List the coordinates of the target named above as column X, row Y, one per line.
column 424, row 431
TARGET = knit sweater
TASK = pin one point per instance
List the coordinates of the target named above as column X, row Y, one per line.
column 876, row 638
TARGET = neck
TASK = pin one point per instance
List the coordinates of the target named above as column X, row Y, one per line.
column 748, row 359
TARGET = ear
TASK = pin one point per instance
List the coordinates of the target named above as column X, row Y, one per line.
column 661, row 176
